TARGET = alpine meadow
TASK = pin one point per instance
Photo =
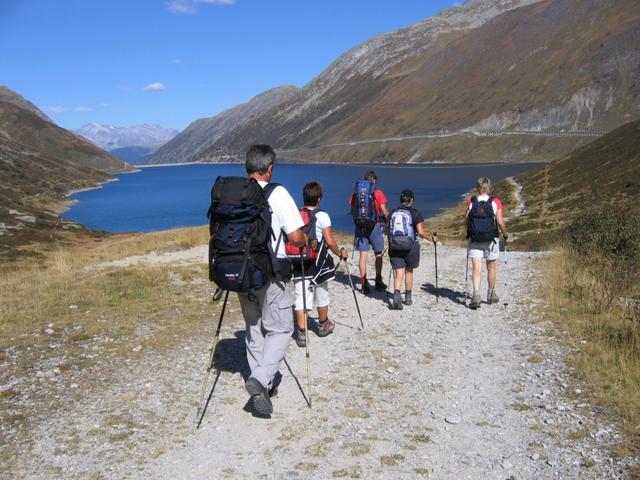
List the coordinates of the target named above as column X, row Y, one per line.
column 397, row 240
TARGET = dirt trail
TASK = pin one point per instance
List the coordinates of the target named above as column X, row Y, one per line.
column 435, row 390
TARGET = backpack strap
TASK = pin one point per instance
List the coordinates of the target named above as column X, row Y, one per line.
column 269, row 188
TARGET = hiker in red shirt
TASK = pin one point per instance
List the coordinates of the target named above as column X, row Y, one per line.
column 369, row 208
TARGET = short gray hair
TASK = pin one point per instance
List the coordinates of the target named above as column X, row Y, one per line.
column 483, row 185
column 258, row 159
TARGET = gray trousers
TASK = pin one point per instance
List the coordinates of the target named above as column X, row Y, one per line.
column 269, row 325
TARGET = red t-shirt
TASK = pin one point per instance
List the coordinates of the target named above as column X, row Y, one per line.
column 379, row 199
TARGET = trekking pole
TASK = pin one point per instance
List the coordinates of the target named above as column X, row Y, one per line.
column 211, row 358
column 306, row 327
column 353, row 290
column 506, row 250
column 435, row 246
column 466, row 275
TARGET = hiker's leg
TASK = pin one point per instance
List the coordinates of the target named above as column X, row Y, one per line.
column 363, row 264
column 476, row 273
column 408, row 280
column 300, row 301
column 254, row 340
column 491, row 274
column 378, row 265
column 322, row 300
column 377, row 244
column 397, row 281
column 277, row 327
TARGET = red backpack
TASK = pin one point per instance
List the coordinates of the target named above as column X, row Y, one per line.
column 310, row 250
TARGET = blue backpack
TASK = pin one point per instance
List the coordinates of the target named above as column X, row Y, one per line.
column 402, row 234
column 482, row 226
column 363, row 206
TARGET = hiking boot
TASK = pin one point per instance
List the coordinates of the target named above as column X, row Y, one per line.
column 260, row 397
column 492, row 298
column 366, row 288
column 300, row 338
column 475, row 302
column 325, row 328
column 380, row 285
column 407, row 299
column 396, row 303
column 273, row 392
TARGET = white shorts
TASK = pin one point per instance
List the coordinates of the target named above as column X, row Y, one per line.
column 317, row 296
column 487, row 250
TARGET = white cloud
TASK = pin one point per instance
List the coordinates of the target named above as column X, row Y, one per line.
column 179, row 6
column 57, row 109
column 103, row 104
column 175, row 61
column 154, row 87
column 124, row 88
column 83, row 109
column 190, row 7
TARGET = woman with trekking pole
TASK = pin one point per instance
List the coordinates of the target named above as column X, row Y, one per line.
column 405, row 226
column 484, row 222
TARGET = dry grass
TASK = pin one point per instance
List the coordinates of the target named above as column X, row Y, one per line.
column 582, row 297
column 60, row 319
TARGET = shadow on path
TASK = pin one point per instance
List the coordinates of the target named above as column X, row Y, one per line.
column 443, row 292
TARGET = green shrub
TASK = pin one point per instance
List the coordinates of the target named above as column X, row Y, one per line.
column 606, row 231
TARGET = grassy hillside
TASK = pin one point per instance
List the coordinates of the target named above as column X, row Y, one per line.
column 604, row 172
column 27, row 128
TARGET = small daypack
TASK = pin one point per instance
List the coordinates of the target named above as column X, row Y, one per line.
column 363, row 205
column 482, row 226
column 240, row 253
column 310, row 250
column 401, row 230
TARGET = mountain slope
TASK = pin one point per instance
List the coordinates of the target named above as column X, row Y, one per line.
column 9, row 96
column 111, row 138
column 27, row 128
column 203, row 132
column 490, row 64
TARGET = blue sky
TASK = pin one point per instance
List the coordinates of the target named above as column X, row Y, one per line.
column 128, row 62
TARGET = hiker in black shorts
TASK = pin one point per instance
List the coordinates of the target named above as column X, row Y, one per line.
column 405, row 226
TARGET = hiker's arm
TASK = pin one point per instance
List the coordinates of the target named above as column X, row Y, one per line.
column 423, row 233
column 297, row 238
column 327, row 233
column 501, row 223
column 385, row 212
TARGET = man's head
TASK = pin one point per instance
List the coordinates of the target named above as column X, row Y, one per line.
column 312, row 194
column 483, row 186
column 371, row 176
column 406, row 197
column 259, row 161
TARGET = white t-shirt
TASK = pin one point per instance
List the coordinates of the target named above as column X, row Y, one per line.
column 496, row 204
column 285, row 216
column 322, row 221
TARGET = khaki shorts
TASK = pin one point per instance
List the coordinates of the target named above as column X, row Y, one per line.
column 488, row 250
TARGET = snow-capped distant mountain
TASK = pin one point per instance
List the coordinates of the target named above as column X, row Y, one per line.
column 110, row 138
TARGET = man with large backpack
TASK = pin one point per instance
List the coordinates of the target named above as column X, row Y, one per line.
column 319, row 267
column 251, row 220
column 405, row 226
column 369, row 209
column 484, row 222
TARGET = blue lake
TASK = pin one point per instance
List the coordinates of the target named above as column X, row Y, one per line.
column 161, row 198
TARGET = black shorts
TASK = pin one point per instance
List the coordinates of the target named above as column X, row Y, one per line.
column 408, row 259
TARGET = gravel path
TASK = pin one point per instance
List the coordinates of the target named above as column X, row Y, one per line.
column 435, row 391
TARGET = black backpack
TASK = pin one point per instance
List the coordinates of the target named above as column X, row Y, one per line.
column 482, row 226
column 363, row 206
column 240, row 253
